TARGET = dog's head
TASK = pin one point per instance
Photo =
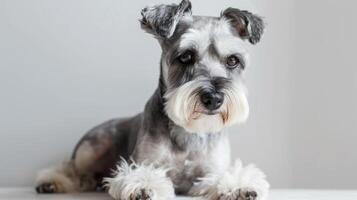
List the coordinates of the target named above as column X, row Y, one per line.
column 202, row 62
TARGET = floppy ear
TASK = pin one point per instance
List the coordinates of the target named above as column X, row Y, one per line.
column 161, row 20
column 247, row 25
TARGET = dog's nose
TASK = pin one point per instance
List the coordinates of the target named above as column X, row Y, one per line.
column 212, row 100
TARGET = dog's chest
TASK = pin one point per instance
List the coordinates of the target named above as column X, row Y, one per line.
column 200, row 157
column 186, row 168
column 188, row 157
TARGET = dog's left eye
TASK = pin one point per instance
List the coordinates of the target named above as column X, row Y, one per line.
column 232, row 62
column 188, row 57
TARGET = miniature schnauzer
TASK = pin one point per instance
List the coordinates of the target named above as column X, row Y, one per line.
column 177, row 144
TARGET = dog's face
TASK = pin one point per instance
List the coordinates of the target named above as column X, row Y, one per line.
column 202, row 63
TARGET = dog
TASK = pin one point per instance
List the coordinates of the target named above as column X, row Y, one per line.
column 177, row 145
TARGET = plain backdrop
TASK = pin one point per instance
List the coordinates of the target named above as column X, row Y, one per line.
column 66, row 66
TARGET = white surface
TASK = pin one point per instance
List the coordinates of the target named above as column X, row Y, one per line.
column 67, row 65
column 29, row 194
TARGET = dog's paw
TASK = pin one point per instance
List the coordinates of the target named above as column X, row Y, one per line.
column 142, row 194
column 139, row 182
column 239, row 194
column 238, row 183
column 47, row 188
column 58, row 179
column 247, row 194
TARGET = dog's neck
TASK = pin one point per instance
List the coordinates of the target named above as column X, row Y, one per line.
column 154, row 111
column 155, row 117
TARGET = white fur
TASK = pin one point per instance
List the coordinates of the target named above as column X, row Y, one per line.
column 180, row 107
column 237, row 178
column 236, row 104
column 130, row 179
column 183, row 107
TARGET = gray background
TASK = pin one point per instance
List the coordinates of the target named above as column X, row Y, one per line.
column 66, row 66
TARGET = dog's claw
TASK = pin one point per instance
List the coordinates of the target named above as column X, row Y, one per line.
column 142, row 194
column 46, row 188
column 246, row 194
column 241, row 194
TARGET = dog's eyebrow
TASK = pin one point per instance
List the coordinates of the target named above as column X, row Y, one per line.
column 230, row 45
column 192, row 47
column 197, row 38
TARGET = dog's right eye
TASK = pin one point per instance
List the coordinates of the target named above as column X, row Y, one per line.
column 187, row 57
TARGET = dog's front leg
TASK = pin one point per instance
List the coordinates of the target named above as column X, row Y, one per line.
column 140, row 182
column 237, row 183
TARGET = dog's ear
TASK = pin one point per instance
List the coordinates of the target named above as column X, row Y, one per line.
column 246, row 24
column 161, row 20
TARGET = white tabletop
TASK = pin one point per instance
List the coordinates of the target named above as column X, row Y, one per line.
column 29, row 194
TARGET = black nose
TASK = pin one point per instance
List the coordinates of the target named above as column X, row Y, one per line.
column 211, row 99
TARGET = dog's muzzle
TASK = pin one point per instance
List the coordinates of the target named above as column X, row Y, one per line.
column 207, row 105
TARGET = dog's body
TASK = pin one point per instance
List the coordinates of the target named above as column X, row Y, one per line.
column 176, row 144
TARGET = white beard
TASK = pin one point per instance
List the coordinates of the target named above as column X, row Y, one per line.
column 184, row 108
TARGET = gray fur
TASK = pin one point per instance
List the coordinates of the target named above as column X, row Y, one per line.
column 138, row 137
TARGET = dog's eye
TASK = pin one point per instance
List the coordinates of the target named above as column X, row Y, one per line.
column 188, row 57
column 232, row 62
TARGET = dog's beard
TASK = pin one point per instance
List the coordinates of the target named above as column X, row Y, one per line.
column 184, row 108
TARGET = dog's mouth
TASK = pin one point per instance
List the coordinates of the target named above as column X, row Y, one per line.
column 210, row 112
column 198, row 111
column 197, row 114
